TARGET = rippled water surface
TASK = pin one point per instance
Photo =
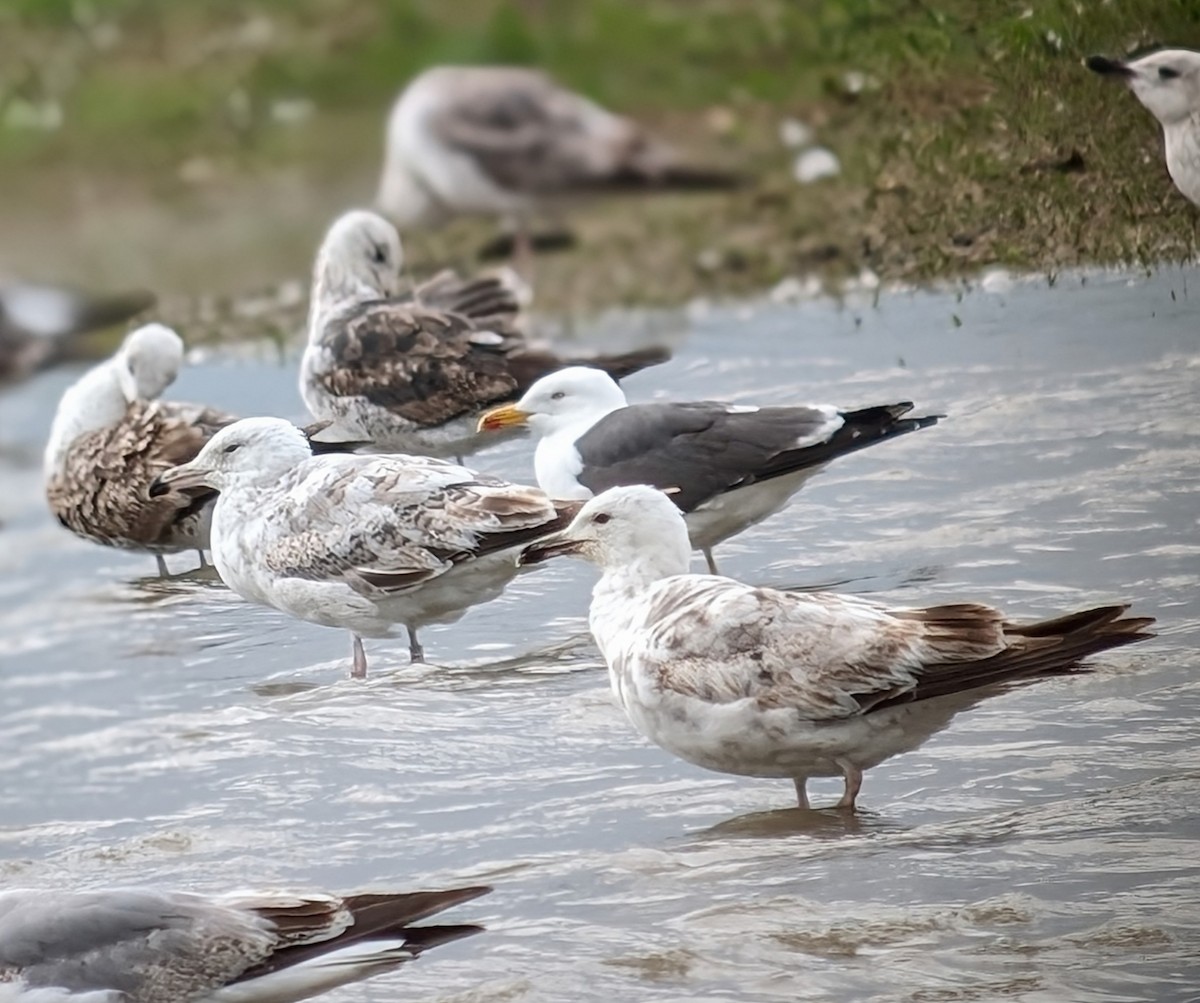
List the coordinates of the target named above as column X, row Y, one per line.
column 1045, row 847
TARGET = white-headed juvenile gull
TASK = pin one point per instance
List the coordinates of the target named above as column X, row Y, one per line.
column 412, row 374
column 39, row 323
column 365, row 543
column 1167, row 82
column 726, row 466
column 133, row 945
column 511, row 142
column 111, row 437
column 761, row 683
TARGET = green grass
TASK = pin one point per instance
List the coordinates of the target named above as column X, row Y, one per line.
column 949, row 153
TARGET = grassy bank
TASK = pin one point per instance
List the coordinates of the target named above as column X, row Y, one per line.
column 968, row 132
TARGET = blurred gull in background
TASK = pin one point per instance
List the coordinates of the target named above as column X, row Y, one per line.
column 510, row 142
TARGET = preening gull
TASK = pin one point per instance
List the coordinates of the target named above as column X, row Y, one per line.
column 411, row 374
column 511, row 142
column 145, row 946
column 111, row 437
column 762, row 683
column 726, row 466
column 364, row 543
column 39, row 323
column 1167, row 82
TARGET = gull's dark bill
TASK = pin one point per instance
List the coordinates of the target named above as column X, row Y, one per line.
column 539, row 553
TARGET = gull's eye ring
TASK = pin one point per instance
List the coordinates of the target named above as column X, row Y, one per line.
column 232, row 447
column 1167, row 73
column 558, row 395
column 600, row 518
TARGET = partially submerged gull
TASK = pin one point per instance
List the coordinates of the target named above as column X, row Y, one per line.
column 146, row 946
column 511, row 142
column 40, row 323
column 1167, row 82
column 726, row 466
column 412, row 374
column 364, row 543
column 762, row 683
column 111, row 437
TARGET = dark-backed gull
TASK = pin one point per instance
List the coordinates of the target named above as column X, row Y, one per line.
column 726, row 466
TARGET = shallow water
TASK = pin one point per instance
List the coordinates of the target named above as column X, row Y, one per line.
column 1043, row 848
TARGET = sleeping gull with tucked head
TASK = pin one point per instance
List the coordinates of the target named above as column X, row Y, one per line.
column 762, row 683
column 364, row 543
column 1167, row 82
column 111, row 437
column 726, row 466
column 412, row 374
column 511, row 142
column 133, row 945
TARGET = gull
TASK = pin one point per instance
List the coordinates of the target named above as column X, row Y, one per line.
column 757, row 682
column 412, row 374
column 511, row 142
column 1167, row 82
column 726, row 466
column 130, row 945
column 111, row 437
column 363, row 543
column 39, row 323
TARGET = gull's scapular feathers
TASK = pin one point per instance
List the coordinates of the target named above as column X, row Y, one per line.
column 726, row 466
column 411, row 374
column 39, row 323
column 365, row 543
column 506, row 141
column 1167, row 82
column 145, row 946
column 111, row 437
column 757, row 682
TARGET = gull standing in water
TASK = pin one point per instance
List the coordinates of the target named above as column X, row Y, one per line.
column 511, row 142
column 762, row 683
column 412, row 374
column 364, row 543
column 1167, row 82
column 144, row 946
column 111, row 437
column 726, row 466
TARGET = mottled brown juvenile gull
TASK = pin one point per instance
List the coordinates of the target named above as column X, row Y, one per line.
column 144, row 946
column 364, row 543
column 511, row 142
column 1167, row 82
column 762, row 683
column 39, row 323
column 412, row 374
column 111, row 437
column 726, row 466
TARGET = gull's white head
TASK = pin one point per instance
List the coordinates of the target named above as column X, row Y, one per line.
column 148, row 361
column 634, row 527
column 360, row 258
column 570, row 398
column 1167, row 82
column 253, row 451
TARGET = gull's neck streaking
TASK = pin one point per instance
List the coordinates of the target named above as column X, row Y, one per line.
column 336, row 286
column 96, row 400
column 556, row 461
column 1182, row 141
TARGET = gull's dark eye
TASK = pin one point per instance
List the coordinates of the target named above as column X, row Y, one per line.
column 1167, row 73
column 601, row 518
column 232, row 447
column 557, row 395
column 379, row 254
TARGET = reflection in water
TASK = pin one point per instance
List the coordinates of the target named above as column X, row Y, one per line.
column 1043, row 847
